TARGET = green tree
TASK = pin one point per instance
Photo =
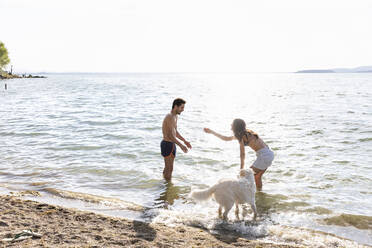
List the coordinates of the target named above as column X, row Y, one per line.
column 4, row 59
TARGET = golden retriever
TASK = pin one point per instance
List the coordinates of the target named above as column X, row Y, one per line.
column 229, row 191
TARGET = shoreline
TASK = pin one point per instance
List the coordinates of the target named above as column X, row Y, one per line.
column 5, row 75
column 67, row 227
column 56, row 225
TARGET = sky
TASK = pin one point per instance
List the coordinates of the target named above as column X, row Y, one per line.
column 186, row 35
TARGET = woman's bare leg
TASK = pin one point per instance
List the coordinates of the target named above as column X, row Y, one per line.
column 257, row 177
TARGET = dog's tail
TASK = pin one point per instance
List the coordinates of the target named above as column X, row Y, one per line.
column 203, row 195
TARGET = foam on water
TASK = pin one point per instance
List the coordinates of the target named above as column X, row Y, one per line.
column 208, row 220
column 308, row 238
column 264, row 230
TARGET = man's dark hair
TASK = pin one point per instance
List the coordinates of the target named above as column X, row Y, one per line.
column 178, row 102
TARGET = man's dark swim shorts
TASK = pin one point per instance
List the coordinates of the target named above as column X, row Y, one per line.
column 167, row 148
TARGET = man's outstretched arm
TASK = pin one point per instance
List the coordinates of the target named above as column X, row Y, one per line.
column 178, row 135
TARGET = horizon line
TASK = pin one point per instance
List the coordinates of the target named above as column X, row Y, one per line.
column 145, row 72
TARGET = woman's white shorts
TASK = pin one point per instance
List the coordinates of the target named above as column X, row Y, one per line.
column 264, row 158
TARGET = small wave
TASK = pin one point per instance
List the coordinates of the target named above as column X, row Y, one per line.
column 330, row 177
column 289, row 206
column 300, row 176
column 315, row 132
column 358, row 221
column 32, row 134
column 340, row 94
column 366, row 193
column 75, row 148
column 125, row 155
column 16, row 191
column 308, row 238
column 347, row 180
column 323, row 186
column 346, row 142
column 318, row 210
column 317, row 147
column 301, row 196
column 365, row 132
column 341, row 162
column 109, row 201
column 208, row 161
column 100, row 123
column 297, row 154
column 39, row 183
column 30, row 174
column 213, row 149
column 92, row 170
column 116, row 136
column 150, row 128
column 365, row 140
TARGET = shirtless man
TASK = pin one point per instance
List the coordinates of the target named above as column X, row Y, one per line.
column 170, row 135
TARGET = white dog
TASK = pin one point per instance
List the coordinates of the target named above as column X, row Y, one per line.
column 229, row 191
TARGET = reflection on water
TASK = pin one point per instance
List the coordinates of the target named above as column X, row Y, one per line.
column 167, row 195
column 267, row 202
column 277, row 203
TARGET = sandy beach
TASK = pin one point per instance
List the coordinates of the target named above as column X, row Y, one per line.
column 63, row 227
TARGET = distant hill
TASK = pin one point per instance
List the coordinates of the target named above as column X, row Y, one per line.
column 316, row 71
column 360, row 69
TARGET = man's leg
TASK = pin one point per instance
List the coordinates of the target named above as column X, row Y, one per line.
column 257, row 177
column 168, row 167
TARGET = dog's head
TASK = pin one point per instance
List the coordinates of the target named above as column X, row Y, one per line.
column 246, row 174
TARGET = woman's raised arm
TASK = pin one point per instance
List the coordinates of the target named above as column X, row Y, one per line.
column 223, row 137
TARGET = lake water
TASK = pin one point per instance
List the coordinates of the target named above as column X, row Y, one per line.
column 91, row 141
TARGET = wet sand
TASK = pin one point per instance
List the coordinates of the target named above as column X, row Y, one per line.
column 64, row 227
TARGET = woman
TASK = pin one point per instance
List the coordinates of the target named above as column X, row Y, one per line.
column 249, row 138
